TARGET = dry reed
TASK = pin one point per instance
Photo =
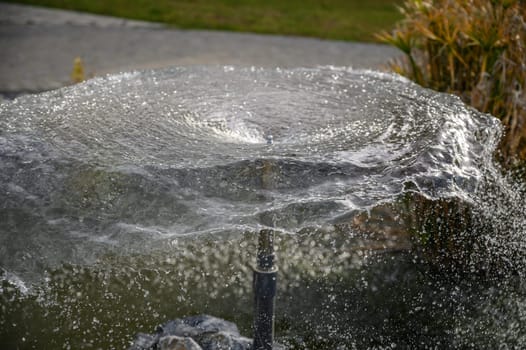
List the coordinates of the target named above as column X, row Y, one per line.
column 475, row 49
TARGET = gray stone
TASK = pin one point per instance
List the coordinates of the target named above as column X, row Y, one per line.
column 144, row 341
column 224, row 341
column 195, row 326
column 201, row 332
column 173, row 342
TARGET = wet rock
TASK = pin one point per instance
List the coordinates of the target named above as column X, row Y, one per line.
column 225, row 340
column 144, row 341
column 441, row 231
column 178, row 343
column 195, row 326
column 194, row 333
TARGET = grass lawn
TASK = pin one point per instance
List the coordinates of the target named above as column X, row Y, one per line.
column 355, row 20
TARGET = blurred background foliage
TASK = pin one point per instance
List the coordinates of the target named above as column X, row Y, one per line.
column 475, row 49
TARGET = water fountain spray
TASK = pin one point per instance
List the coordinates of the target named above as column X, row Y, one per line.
column 265, row 282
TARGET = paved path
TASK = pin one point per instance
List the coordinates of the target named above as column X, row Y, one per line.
column 38, row 46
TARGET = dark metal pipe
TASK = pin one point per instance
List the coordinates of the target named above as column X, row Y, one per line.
column 265, row 282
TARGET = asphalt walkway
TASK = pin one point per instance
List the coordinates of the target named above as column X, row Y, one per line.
column 38, row 47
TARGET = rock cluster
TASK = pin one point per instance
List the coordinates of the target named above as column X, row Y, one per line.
column 201, row 332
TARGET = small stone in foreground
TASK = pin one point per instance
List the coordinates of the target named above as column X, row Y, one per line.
column 195, row 326
column 201, row 332
column 173, row 342
column 144, row 341
column 225, row 340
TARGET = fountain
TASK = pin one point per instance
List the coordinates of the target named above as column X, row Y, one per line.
column 136, row 198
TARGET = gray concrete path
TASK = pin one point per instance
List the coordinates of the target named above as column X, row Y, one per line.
column 38, row 46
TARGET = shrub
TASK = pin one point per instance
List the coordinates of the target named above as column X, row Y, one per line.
column 475, row 49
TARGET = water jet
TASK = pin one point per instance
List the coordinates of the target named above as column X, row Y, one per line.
column 134, row 198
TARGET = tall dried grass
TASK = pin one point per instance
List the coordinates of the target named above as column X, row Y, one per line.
column 475, row 49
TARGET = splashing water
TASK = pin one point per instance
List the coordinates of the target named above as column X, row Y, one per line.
column 133, row 198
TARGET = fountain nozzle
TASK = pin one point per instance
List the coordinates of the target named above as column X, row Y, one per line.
column 265, row 284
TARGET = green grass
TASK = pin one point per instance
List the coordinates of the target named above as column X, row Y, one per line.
column 354, row 20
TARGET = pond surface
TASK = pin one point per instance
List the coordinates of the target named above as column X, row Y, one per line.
column 136, row 198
